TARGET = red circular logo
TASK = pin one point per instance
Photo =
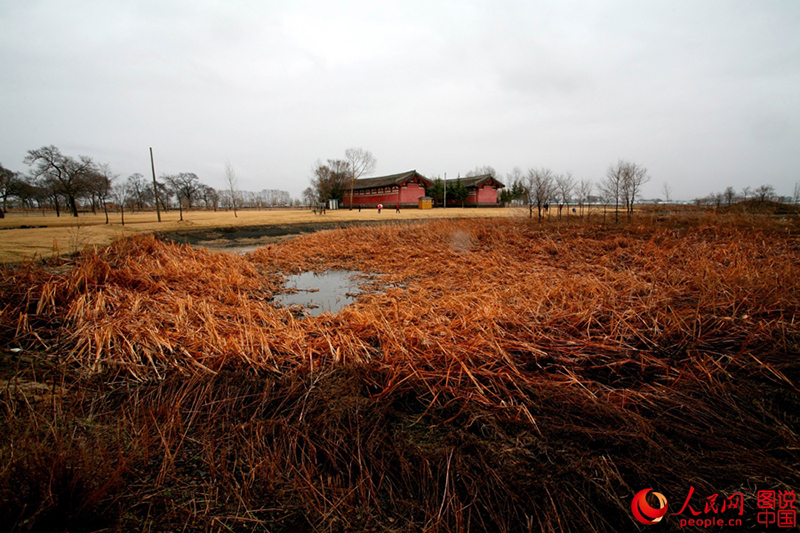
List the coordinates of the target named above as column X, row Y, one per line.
column 642, row 510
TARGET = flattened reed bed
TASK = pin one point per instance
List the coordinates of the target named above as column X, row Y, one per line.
column 523, row 377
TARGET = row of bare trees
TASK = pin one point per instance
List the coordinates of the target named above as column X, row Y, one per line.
column 762, row 193
column 540, row 187
column 185, row 191
column 58, row 181
column 620, row 187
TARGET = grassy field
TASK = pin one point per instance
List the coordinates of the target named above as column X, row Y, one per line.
column 46, row 234
column 495, row 375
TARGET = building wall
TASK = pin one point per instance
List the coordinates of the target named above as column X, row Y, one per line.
column 411, row 193
column 407, row 196
column 487, row 195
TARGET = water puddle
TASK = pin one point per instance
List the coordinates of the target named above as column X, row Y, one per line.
column 317, row 293
column 235, row 250
column 239, row 250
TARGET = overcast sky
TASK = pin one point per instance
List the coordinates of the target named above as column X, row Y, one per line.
column 705, row 94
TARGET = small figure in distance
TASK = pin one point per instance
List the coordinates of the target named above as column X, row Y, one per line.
column 380, row 206
column 397, row 208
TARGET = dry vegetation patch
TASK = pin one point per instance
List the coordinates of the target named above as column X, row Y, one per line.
column 501, row 375
column 24, row 236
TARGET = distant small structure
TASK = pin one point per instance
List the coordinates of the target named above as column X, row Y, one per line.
column 425, row 202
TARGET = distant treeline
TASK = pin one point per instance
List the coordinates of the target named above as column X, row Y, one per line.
column 61, row 182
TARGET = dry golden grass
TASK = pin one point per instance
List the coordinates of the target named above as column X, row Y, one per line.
column 504, row 376
column 66, row 234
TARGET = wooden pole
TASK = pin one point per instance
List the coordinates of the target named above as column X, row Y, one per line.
column 155, row 185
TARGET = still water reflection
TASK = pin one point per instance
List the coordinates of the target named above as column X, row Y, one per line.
column 327, row 291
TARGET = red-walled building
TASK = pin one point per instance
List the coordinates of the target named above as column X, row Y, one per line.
column 482, row 191
column 404, row 189
column 408, row 187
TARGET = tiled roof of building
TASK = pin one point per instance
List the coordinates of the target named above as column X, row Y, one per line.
column 474, row 181
column 394, row 179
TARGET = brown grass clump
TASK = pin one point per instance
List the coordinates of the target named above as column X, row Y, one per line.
column 145, row 306
column 502, row 376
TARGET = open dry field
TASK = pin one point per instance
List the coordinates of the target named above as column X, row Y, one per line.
column 42, row 236
column 495, row 375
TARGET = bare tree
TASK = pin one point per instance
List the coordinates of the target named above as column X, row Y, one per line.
column 667, row 190
column 634, row 176
column 613, row 185
column 185, row 186
column 67, row 176
column 729, row 195
column 607, row 195
column 765, row 192
column 28, row 192
column 209, row 195
column 483, row 171
column 565, row 186
column 103, row 184
column 715, row 199
column 515, row 175
column 746, row 192
column 139, row 190
column 584, row 191
column 232, row 183
column 162, row 195
column 309, row 196
column 6, row 187
column 360, row 162
column 330, row 181
column 539, row 187
column 121, row 193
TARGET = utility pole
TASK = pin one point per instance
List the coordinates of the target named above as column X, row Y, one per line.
column 444, row 204
column 155, row 185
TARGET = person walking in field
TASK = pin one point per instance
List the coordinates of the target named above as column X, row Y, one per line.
column 397, row 208
column 380, row 206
